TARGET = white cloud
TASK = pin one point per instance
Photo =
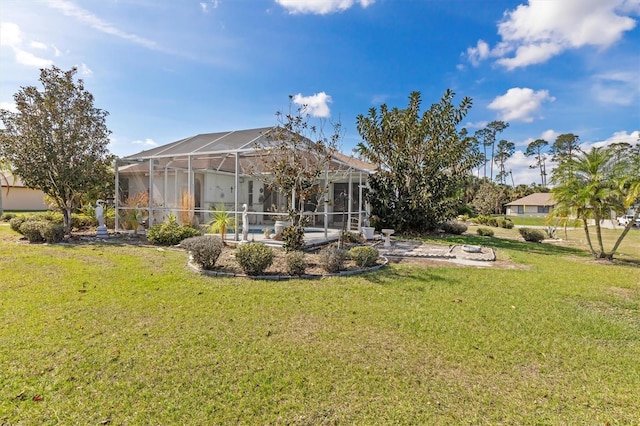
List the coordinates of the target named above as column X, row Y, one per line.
column 85, row 70
column 549, row 136
column 205, row 6
column 38, row 45
column 520, row 104
column 86, row 17
column 321, row 7
column 11, row 36
column 541, row 29
column 476, row 124
column 621, row 136
column 620, row 88
column 519, row 164
column 148, row 143
column 26, row 58
column 478, row 53
column 315, row 105
column 10, row 106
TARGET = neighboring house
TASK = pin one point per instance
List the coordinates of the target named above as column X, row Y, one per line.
column 538, row 204
column 215, row 170
column 18, row 197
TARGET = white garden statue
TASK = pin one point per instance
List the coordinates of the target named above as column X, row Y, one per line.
column 245, row 224
column 102, row 229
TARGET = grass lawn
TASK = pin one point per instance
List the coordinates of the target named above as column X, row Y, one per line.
column 105, row 334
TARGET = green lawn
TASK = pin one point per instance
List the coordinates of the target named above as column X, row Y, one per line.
column 93, row 334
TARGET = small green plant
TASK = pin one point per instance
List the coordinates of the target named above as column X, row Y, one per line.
column 221, row 221
column 293, row 238
column 531, row 235
column 205, row 250
column 6, row 216
column 254, row 258
column 296, row 263
column 454, row 227
column 485, row 232
column 52, row 232
column 170, row 233
column 332, row 258
column 364, row 256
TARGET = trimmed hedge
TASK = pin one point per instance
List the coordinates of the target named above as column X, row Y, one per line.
column 254, row 258
column 205, row 250
column 485, row 232
column 531, row 235
column 296, row 263
column 332, row 259
column 364, row 256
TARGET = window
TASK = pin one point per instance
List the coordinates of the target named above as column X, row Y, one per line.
column 543, row 209
column 520, row 209
column 250, row 193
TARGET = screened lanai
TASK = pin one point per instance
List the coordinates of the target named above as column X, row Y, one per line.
column 196, row 178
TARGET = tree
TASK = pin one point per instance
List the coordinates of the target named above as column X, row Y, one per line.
column 57, row 141
column 296, row 155
column 487, row 137
column 505, row 151
column 490, row 198
column 597, row 186
column 4, row 169
column 564, row 149
column 422, row 161
column 535, row 149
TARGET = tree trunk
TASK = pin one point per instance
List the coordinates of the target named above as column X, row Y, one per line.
column 585, row 226
column 624, row 234
column 599, row 237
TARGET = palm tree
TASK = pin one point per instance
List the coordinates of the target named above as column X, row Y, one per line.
column 221, row 221
column 595, row 188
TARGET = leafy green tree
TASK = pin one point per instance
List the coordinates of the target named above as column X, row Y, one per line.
column 562, row 150
column 597, row 186
column 504, row 152
column 536, row 150
column 57, row 141
column 422, row 161
column 490, row 198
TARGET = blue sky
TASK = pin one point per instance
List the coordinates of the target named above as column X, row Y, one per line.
column 169, row 69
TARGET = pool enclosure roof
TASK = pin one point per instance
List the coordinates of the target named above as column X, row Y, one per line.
column 223, row 150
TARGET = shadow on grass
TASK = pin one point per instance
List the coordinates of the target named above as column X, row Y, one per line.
column 411, row 275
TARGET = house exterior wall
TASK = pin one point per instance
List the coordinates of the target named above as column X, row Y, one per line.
column 21, row 198
column 529, row 210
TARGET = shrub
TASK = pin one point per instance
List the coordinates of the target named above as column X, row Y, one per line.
column 492, row 221
column 485, row 232
column 482, row 219
column 31, row 230
column 16, row 222
column 170, row 233
column 532, row 235
column 351, row 237
column 254, row 258
column 51, row 232
column 332, row 259
column 293, row 238
column 82, row 221
column 205, row 250
column 364, row 256
column 6, row 217
column 454, row 227
column 508, row 223
column 296, row 263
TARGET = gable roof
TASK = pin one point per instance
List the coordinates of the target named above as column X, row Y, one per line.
column 536, row 199
column 215, row 151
